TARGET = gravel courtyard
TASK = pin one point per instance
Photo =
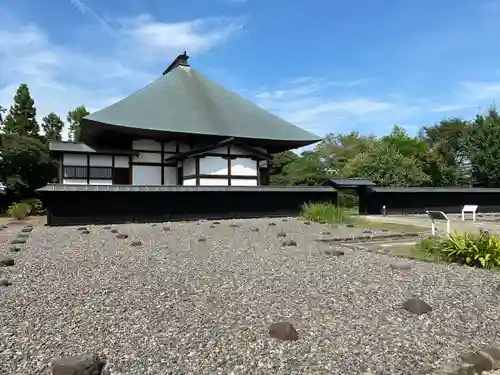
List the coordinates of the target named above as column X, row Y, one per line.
column 198, row 298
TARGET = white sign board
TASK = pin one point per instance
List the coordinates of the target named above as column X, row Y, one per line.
column 439, row 216
column 471, row 209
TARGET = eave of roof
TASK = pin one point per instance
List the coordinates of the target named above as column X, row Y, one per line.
column 79, row 147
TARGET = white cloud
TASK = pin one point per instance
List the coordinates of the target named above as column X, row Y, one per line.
column 472, row 94
column 61, row 77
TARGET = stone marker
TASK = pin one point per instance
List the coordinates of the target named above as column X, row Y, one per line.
column 136, row 243
column 6, row 261
column 5, row 282
column 121, row 236
column 335, row 253
column 18, row 241
column 401, row 266
column 283, row 331
column 281, row 234
column 417, row 306
column 289, row 243
column 114, row 231
column 78, row 365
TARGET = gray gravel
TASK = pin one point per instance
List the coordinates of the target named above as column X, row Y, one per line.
column 174, row 305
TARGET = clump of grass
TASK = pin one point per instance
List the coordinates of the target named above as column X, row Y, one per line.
column 324, row 213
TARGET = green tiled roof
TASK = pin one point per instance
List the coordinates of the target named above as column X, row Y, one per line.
column 185, row 101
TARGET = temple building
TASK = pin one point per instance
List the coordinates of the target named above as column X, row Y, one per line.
column 181, row 129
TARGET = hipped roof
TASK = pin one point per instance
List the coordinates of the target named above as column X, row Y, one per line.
column 183, row 101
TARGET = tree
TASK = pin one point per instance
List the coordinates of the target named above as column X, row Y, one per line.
column 52, row 125
column 277, row 168
column 307, row 170
column 22, row 114
column 385, row 165
column 27, row 164
column 2, row 111
column 75, row 119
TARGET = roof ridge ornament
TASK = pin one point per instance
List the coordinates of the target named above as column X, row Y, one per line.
column 180, row 60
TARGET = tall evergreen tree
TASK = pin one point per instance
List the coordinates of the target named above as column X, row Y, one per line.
column 75, row 119
column 22, row 114
column 52, row 125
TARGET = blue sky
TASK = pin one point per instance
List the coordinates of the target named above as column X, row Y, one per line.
column 325, row 65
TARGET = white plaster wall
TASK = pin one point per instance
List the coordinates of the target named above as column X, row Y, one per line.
column 75, row 159
column 146, row 175
column 243, row 182
column 121, row 162
column 170, row 176
column 189, row 182
column 169, row 146
column 74, row 181
column 213, row 165
column 101, row 182
column 101, row 160
column 183, row 147
column 146, row 144
column 213, row 182
column 243, row 167
column 147, row 157
column 189, row 167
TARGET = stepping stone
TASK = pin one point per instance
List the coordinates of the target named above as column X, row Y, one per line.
column 81, row 228
column 114, row 231
column 15, row 249
column 202, row 239
column 417, row 306
column 307, row 222
column 281, row 234
column 6, row 261
column 23, row 235
column 121, row 236
column 136, row 243
column 401, row 266
column 283, row 331
column 289, row 243
column 78, row 365
column 5, row 282
column 334, row 253
column 27, row 230
column 18, row 241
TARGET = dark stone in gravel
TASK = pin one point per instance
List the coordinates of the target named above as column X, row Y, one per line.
column 417, row 306
column 283, row 331
column 6, row 261
column 384, row 230
column 122, row 236
column 114, row 231
column 78, row 365
column 254, row 229
column 272, row 224
column 289, row 243
column 81, row 228
column 281, row 234
column 27, row 230
column 23, row 235
column 107, row 227
column 212, row 226
column 307, row 222
column 401, row 265
column 4, row 226
column 480, row 360
column 5, row 282
column 349, row 226
column 216, row 222
column 335, row 253
column 202, row 239
column 14, row 249
column 18, row 241
column 326, row 233
column 166, row 229
column 234, row 225
column 284, row 220
column 367, row 231
column 85, row 232
column 136, row 243
column 153, row 225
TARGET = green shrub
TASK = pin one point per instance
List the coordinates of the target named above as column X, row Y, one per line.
column 19, row 210
column 323, row 212
column 36, row 205
column 472, row 249
column 348, row 200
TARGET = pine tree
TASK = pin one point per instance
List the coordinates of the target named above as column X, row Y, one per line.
column 52, row 125
column 75, row 119
column 22, row 115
